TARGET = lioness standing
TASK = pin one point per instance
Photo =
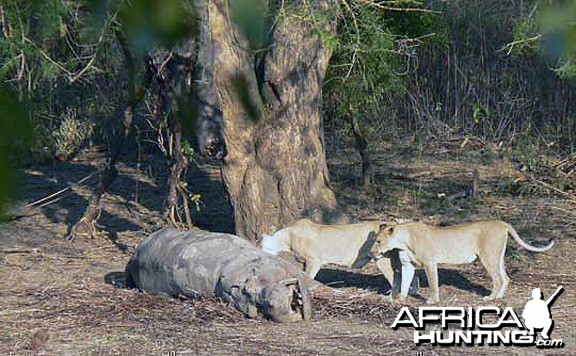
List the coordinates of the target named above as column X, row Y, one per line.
column 426, row 246
column 345, row 245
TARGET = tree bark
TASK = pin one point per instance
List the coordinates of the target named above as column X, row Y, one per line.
column 275, row 169
column 361, row 145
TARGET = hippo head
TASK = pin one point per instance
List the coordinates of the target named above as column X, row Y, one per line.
column 285, row 301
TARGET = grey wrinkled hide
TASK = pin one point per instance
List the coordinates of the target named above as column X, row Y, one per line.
column 194, row 263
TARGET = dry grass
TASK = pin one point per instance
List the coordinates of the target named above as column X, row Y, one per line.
column 54, row 298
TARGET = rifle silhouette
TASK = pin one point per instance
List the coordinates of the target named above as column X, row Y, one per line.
column 550, row 300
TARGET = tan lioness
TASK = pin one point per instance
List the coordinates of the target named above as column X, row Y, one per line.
column 426, row 246
column 345, row 245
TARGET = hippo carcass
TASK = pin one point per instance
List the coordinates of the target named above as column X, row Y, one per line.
column 195, row 263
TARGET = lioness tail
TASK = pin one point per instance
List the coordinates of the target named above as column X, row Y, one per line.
column 524, row 244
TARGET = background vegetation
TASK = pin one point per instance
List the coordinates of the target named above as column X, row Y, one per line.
column 499, row 72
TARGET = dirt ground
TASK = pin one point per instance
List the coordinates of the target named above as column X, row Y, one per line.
column 56, row 296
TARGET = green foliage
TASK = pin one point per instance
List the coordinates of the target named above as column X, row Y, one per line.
column 32, row 27
column 372, row 58
column 450, row 71
column 57, row 63
column 71, row 134
column 550, row 29
column 363, row 64
column 321, row 18
column 526, row 35
column 187, row 148
column 251, row 16
column 15, row 131
column 480, row 112
column 147, row 24
column 38, row 56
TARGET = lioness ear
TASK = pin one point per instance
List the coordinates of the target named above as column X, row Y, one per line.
column 390, row 230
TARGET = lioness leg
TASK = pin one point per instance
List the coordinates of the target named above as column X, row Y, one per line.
column 385, row 267
column 407, row 274
column 392, row 269
column 496, row 282
column 494, row 264
column 431, row 269
column 504, row 279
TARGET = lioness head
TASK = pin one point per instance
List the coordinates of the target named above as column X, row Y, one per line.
column 382, row 245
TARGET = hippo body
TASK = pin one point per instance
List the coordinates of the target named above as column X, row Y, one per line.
column 199, row 263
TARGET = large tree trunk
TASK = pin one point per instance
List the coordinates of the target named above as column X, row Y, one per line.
column 275, row 169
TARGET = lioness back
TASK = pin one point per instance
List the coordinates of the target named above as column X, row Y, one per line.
column 456, row 244
column 338, row 244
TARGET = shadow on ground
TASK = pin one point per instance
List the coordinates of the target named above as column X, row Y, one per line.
column 337, row 278
column 139, row 195
column 454, row 278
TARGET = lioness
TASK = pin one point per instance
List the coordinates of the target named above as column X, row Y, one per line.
column 345, row 245
column 427, row 246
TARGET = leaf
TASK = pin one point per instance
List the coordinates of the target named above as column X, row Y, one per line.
column 15, row 129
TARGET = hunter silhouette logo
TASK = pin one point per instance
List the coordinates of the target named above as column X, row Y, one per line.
column 484, row 325
column 537, row 312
